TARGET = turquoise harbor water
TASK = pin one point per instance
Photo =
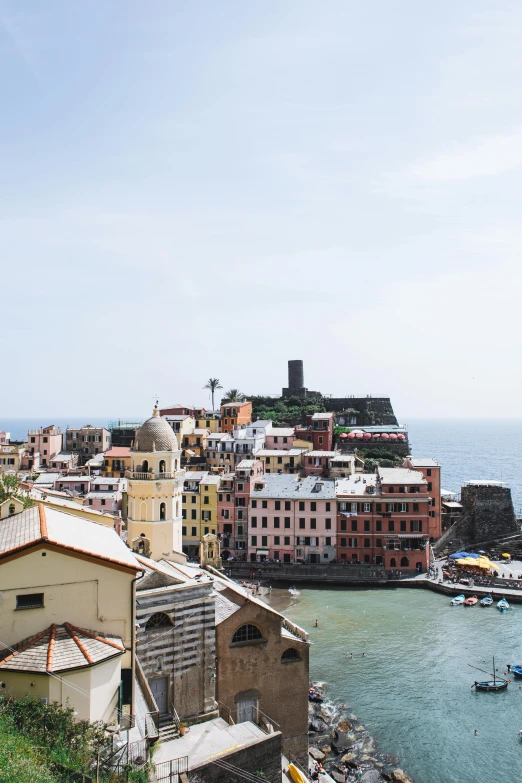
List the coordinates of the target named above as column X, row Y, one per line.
column 412, row 688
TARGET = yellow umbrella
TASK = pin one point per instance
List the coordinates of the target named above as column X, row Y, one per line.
column 506, row 554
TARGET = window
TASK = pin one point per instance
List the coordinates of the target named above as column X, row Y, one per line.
column 103, row 502
column 90, row 502
column 288, row 505
column 301, row 523
column 428, row 472
column 343, row 541
column 429, row 485
column 287, row 521
column 328, row 541
column 287, row 540
column 352, row 542
column 254, row 540
column 264, row 504
column 378, row 542
column 290, row 656
column 264, row 540
column 264, row 521
column 277, row 505
column 253, row 521
column 391, row 526
column 378, row 507
column 416, row 526
column 194, row 531
column 354, row 525
column 366, row 525
column 277, row 540
column 163, row 511
column 206, row 500
column 405, row 562
column 313, row 506
column 301, row 505
column 328, row 507
column 193, row 499
column 279, row 460
column 240, row 487
column 391, row 489
column 183, row 513
column 207, row 516
column 403, row 525
column 378, row 525
column 277, row 522
column 343, row 524
column 367, row 507
column 403, row 507
column 353, row 508
column 389, row 507
column 246, row 633
column 158, row 620
column 240, row 530
column 328, row 524
column 30, row 601
column 313, row 524
column 415, row 506
column 367, row 542
column 193, row 514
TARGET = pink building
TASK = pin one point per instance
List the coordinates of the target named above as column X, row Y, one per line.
column 76, row 485
column 279, row 438
column 226, row 515
column 4, row 438
column 292, row 520
column 105, row 494
column 248, row 472
column 317, row 463
column 43, row 445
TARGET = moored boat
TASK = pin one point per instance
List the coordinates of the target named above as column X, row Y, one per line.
column 502, row 605
column 471, row 601
column 459, row 599
column 487, row 600
column 517, row 671
column 496, row 684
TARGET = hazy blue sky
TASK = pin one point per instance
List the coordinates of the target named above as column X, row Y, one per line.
column 194, row 189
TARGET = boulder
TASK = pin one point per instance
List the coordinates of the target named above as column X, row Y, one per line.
column 316, row 754
column 398, row 776
column 325, row 749
column 347, row 757
column 341, row 740
column 372, row 776
column 337, row 777
column 344, row 726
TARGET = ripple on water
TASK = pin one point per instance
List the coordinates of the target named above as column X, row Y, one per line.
column 412, row 687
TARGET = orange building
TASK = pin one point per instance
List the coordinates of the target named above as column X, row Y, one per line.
column 235, row 414
column 431, row 472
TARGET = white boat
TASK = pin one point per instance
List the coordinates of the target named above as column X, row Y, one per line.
column 487, row 600
column 502, row 605
column 459, row 599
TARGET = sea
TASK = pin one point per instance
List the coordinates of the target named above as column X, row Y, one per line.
column 467, row 449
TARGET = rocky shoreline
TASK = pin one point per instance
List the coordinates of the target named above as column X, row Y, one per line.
column 337, row 740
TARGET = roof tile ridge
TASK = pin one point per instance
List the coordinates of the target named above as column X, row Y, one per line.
column 43, row 522
column 50, row 650
column 29, row 642
column 74, row 636
column 98, row 638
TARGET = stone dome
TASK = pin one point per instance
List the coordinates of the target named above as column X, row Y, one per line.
column 155, row 435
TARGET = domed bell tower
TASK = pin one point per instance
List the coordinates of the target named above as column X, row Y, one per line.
column 155, row 483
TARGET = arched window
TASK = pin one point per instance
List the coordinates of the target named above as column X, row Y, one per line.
column 163, row 511
column 145, row 466
column 158, row 620
column 247, row 633
column 12, row 508
column 405, row 562
column 143, row 512
column 162, row 466
column 393, row 563
column 290, row 655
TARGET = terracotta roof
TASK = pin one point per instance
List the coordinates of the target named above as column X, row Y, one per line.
column 118, row 451
column 50, row 525
column 60, row 648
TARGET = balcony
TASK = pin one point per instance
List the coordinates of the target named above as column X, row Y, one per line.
column 138, row 476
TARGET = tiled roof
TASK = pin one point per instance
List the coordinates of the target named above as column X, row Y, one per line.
column 224, row 608
column 61, row 648
column 49, row 525
column 118, row 451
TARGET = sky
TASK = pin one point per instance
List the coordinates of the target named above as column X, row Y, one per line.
column 194, row 189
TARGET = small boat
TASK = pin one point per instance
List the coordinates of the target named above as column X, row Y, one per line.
column 487, row 600
column 459, row 599
column 496, row 684
column 502, row 605
column 471, row 601
column 517, row 671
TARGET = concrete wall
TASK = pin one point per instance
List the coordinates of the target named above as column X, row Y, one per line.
column 263, row 756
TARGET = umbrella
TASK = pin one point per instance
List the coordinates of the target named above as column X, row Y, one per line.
column 472, row 554
column 481, row 552
column 506, row 554
column 455, row 556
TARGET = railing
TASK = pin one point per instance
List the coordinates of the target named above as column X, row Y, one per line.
column 132, row 474
column 149, row 698
column 170, row 771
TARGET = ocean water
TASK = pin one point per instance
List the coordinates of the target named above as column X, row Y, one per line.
column 412, row 688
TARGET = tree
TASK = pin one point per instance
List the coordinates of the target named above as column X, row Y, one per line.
column 9, row 488
column 212, row 384
column 233, row 395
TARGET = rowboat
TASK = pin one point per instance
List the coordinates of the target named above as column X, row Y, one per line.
column 459, row 599
column 471, row 601
column 496, row 684
column 502, row 605
column 487, row 600
column 517, row 671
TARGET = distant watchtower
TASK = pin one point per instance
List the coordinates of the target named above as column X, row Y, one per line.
column 295, row 379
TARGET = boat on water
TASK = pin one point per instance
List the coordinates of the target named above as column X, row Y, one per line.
column 487, row 600
column 502, row 605
column 517, row 671
column 459, row 599
column 496, row 684
column 471, row 601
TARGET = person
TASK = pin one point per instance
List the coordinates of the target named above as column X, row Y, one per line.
column 346, row 773
column 351, row 655
column 359, row 772
column 316, row 624
column 315, row 774
column 475, row 732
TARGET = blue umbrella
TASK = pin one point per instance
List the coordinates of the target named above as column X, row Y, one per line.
column 473, row 555
column 455, row 556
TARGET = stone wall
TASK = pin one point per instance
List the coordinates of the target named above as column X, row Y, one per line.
column 490, row 514
column 371, row 410
column 263, row 756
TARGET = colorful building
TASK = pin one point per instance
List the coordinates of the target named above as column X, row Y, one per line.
column 105, row 495
column 211, row 420
column 280, row 461
column 42, row 445
column 87, row 441
column 235, row 414
column 430, row 469
column 292, row 520
column 11, row 457
column 383, row 519
column 116, row 461
column 317, row 463
column 199, row 509
column 318, row 431
column 280, row 438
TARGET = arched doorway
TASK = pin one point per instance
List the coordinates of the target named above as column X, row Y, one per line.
column 162, row 466
column 404, row 562
column 145, row 466
column 393, row 563
column 163, row 511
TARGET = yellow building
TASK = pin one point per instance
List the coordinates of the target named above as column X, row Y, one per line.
column 154, row 491
column 116, row 461
column 211, row 421
column 194, row 443
column 11, row 456
column 67, row 614
column 200, row 497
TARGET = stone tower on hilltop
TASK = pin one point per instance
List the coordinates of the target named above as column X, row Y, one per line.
column 155, row 483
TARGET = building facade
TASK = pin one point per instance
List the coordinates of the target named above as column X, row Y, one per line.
column 199, row 509
column 87, row 441
column 235, row 414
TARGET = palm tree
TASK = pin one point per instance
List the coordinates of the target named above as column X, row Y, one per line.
column 233, row 395
column 213, row 384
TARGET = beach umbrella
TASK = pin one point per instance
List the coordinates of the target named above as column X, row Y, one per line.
column 506, row 554
column 472, row 554
column 481, row 552
column 455, row 556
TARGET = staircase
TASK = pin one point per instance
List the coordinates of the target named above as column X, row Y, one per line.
column 168, row 728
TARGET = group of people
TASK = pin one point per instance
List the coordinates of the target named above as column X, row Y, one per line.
column 349, row 772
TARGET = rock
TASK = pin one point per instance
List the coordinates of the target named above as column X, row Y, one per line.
column 372, row 776
column 337, row 777
column 347, row 757
column 344, row 726
column 316, row 754
column 316, row 724
column 341, row 740
column 325, row 749
column 398, row 776
column 359, row 728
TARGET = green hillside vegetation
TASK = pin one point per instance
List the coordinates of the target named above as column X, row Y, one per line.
column 288, row 410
